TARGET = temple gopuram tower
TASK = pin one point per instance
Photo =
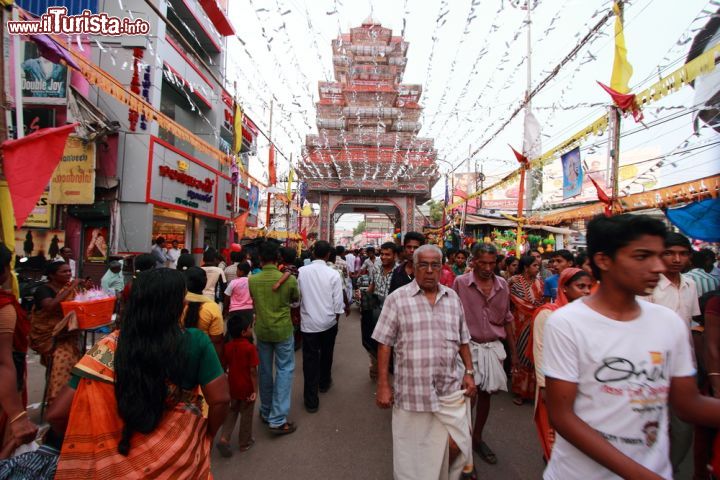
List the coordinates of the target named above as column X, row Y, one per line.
column 367, row 156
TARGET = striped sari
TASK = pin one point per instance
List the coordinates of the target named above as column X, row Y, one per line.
column 177, row 449
column 526, row 296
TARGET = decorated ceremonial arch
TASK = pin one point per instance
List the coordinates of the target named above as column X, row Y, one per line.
column 367, row 156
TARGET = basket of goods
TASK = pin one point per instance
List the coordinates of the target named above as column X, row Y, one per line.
column 94, row 308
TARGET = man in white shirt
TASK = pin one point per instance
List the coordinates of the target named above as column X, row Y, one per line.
column 321, row 291
column 64, row 256
column 677, row 292
column 613, row 364
column 173, row 254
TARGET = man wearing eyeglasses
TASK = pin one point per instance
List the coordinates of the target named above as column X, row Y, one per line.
column 486, row 301
column 405, row 273
column 424, row 323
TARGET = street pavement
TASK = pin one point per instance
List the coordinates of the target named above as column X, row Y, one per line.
column 349, row 437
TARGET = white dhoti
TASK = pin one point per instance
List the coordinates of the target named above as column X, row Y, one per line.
column 487, row 359
column 420, row 440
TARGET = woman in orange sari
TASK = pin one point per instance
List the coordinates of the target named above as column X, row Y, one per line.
column 59, row 348
column 132, row 408
column 572, row 284
column 526, row 295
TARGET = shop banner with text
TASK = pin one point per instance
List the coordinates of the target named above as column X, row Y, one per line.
column 73, row 182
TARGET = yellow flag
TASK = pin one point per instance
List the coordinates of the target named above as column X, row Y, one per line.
column 622, row 70
column 237, row 143
column 289, row 185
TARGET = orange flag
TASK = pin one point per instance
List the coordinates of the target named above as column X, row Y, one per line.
column 240, row 223
column 272, row 177
column 29, row 163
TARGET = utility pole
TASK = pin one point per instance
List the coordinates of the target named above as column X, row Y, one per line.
column 614, row 118
column 269, row 195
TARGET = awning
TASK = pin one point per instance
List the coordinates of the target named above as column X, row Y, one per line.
column 699, row 220
column 217, row 17
column 93, row 122
column 496, row 222
column 558, row 230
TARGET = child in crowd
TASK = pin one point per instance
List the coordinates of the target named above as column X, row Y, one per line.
column 237, row 293
column 240, row 360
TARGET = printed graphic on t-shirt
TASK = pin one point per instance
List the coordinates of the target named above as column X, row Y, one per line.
column 645, row 386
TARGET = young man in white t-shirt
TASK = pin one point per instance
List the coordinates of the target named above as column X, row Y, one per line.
column 614, row 365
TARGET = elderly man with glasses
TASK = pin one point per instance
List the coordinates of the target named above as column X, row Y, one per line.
column 424, row 322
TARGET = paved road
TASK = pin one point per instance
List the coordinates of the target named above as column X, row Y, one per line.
column 350, row 437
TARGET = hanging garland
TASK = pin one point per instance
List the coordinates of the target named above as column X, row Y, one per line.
column 133, row 115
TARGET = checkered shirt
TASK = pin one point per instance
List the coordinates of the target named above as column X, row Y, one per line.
column 426, row 339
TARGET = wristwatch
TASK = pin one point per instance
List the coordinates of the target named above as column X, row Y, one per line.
column 469, row 371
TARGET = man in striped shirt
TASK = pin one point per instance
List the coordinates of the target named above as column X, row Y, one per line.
column 702, row 263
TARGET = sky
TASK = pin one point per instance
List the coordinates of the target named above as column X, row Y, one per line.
column 470, row 56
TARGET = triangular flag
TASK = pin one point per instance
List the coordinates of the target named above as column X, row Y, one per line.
column 624, row 101
column 240, row 223
column 272, row 177
column 602, row 196
column 622, row 70
column 519, row 156
column 29, row 163
column 237, row 128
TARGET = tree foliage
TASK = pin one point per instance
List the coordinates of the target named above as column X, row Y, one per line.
column 361, row 227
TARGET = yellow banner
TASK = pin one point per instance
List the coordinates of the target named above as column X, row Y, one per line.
column 73, row 181
column 695, row 68
column 40, row 217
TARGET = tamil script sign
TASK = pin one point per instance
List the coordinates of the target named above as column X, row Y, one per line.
column 73, row 182
column 181, row 182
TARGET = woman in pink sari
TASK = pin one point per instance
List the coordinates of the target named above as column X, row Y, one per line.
column 572, row 284
column 526, row 294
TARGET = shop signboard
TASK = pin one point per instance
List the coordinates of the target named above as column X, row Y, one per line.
column 180, row 182
column 41, row 215
column 73, row 182
column 42, row 81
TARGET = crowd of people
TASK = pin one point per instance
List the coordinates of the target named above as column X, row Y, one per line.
column 618, row 348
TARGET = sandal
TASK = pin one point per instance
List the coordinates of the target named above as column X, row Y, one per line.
column 471, row 475
column 486, row 454
column 518, row 401
column 284, row 429
column 224, row 449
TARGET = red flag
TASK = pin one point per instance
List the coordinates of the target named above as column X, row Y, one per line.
column 272, row 177
column 625, row 101
column 240, row 223
column 29, row 163
column 520, row 157
column 602, row 196
column 460, row 193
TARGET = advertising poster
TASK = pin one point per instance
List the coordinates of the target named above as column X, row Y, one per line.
column 42, row 81
column 572, row 174
column 40, row 217
column 254, row 200
column 73, row 182
column 95, row 247
column 38, row 243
